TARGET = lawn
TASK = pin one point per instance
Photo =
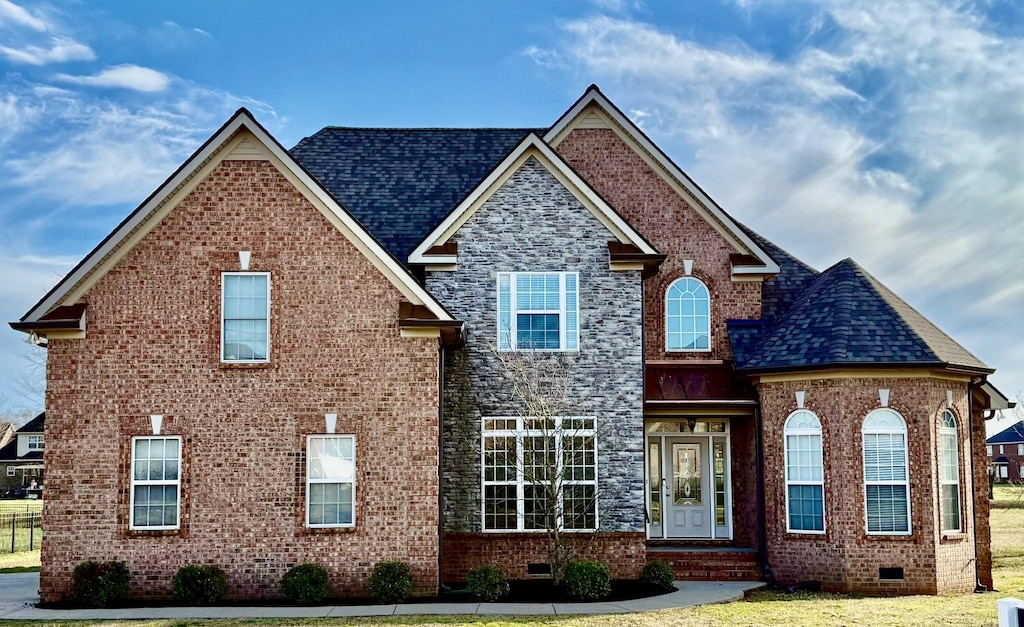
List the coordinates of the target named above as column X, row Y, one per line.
column 762, row 608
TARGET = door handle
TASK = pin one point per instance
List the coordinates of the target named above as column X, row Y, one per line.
column 664, row 486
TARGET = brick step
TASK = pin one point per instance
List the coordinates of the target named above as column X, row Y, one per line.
column 710, row 565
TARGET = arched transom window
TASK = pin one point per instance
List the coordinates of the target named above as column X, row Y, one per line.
column 688, row 316
column 949, row 473
column 886, row 473
column 805, row 481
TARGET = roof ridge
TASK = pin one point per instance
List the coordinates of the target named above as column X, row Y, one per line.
column 525, row 129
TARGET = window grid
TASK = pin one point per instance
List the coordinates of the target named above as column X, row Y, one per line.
column 245, row 316
column 805, row 484
column 515, row 463
column 35, row 443
column 688, row 316
column 949, row 476
column 538, row 311
column 330, row 481
column 155, row 483
column 886, row 477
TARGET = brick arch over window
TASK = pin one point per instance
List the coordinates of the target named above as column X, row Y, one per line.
column 688, row 315
column 886, row 473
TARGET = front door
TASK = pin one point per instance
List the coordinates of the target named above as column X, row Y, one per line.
column 688, row 496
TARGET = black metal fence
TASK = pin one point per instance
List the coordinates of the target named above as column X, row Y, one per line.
column 21, row 532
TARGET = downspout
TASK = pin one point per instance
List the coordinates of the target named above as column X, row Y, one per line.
column 440, row 469
column 762, row 532
column 978, row 586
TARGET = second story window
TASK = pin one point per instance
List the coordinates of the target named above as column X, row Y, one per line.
column 687, row 316
column 538, row 311
column 35, row 443
column 245, row 317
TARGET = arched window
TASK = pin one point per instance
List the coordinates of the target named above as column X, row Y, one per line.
column 687, row 316
column 805, row 482
column 949, row 473
column 886, row 473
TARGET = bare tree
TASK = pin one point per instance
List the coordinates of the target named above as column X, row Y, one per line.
column 555, row 452
column 30, row 380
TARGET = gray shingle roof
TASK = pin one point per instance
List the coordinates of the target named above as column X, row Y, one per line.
column 845, row 316
column 400, row 183
column 35, row 425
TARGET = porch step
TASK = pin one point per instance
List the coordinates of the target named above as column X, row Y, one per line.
column 709, row 564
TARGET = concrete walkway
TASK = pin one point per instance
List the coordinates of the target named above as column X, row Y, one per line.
column 18, row 593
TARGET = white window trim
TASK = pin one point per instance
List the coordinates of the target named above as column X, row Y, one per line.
column 947, row 431
column 1020, row 449
column 223, row 284
column 309, row 481
column 11, row 470
column 786, row 432
column 906, row 482
column 562, row 313
column 988, row 449
column 38, row 440
column 519, row 433
column 134, row 482
column 668, row 290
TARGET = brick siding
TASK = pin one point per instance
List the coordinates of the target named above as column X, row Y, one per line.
column 153, row 347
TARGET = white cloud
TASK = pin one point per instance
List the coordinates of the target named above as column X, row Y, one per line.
column 124, row 77
column 61, row 49
column 888, row 135
column 12, row 13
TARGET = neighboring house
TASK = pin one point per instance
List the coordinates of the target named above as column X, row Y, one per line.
column 1005, row 452
column 285, row 357
column 21, row 457
column 6, row 432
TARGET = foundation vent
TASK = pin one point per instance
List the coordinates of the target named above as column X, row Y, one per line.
column 890, row 573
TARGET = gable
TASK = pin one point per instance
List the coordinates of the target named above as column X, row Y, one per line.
column 432, row 250
column 240, row 139
column 595, row 112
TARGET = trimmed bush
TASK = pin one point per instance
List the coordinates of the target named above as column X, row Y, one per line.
column 305, row 584
column 487, row 583
column 658, row 575
column 100, row 584
column 200, row 585
column 587, row 581
column 391, row 582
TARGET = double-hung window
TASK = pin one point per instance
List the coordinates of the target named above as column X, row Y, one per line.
column 35, row 443
column 538, row 311
column 330, row 481
column 949, row 473
column 539, row 474
column 156, row 483
column 886, row 473
column 245, row 317
column 805, row 483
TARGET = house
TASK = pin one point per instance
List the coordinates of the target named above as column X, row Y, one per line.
column 21, row 456
column 1005, row 451
column 343, row 315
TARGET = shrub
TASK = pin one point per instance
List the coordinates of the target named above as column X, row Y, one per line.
column 391, row 582
column 658, row 575
column 487, row 583
column 200, row 585
column 587, row 581
column 100, row 584
column 305, row 584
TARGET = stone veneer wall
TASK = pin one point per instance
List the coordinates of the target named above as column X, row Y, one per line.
column 153, row 347
column 674, row 228
column 532, row 223
column 846, row 558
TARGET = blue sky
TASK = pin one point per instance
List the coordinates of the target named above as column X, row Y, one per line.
column 886, row 132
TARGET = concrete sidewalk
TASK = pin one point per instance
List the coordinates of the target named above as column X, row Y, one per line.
column 18, row 593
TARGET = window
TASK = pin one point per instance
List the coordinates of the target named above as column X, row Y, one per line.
column 330, row 481
column 245, row 316
column 688, row 316
column 949, row 474
column 10, row 471
column 527, row 464
column 886, row 483
column 1001, row 471
column 805, row 484
column 1001, row 451
column 156, row 483
column 538, row 311
column 35, row 442
column 1020, row 449
column 988, row 449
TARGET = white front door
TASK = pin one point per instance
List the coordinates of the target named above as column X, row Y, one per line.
column 687, row 491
